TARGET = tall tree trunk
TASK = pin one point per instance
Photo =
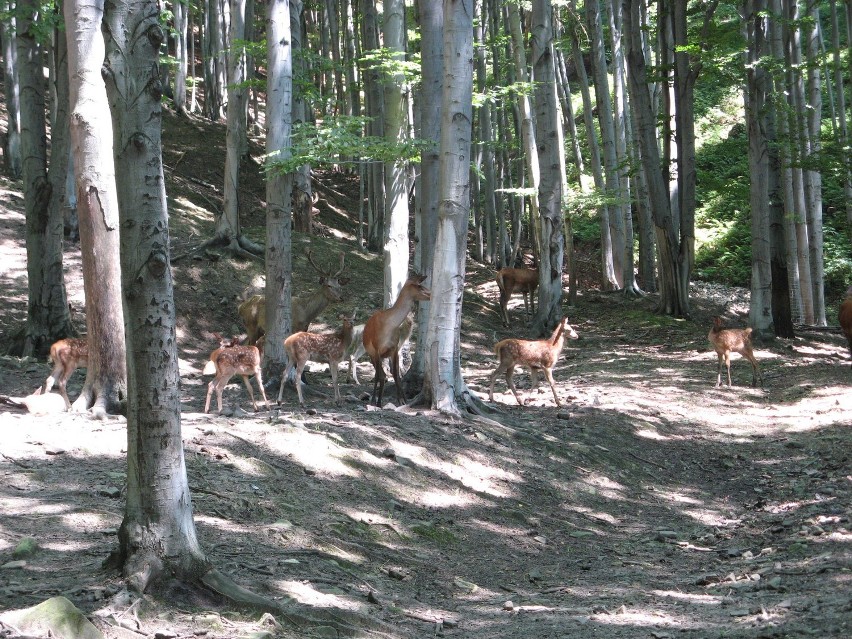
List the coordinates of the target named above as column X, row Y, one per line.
column 760, row 309
column 302, row 192
column 672, row 301
column 228, row 223
column 375, row 111
column 431, row 20
column 610, row 246
column 528, row 134
column 396, row 195
column 157, row 535
column 47, row 308
column 843, row 127
column 353, row 90
column 813, row 178
column 279, row 249
column 180, row 11
column 98, row 209
column 486, row 142
column 12, row 150
column 444, row 385
column 548, row 140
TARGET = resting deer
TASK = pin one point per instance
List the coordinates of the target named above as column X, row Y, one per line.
column 305, row 308
column 328, row 347
column 845, row 318
column 227, row 361
column 516, row 280
column 733, row 340
column 356, row 348
column 381, row 336
column 66, row 355
column 536, row 355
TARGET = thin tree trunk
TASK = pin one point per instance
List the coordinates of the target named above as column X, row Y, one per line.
column 47, row 307
column 486, row 143
column 396, row 195
column 444, row 385
column 548, row 141
column 12, row 150
column 302, row 191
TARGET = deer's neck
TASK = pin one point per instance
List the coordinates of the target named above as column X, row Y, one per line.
column 314, row 303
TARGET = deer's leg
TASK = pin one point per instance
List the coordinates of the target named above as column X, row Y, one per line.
column 755, row 369
column 332, row 367
column 504, row 304
column 728, row 364
column 210, row 388
column 497, row 371
column 549, row 375
column 400, row 391
column 510, row 382
column 378, row 381
column 300, row 368
column 258, row 375
column 719, row 372
column 64, row 392
column 250, row 391
column 284, row 377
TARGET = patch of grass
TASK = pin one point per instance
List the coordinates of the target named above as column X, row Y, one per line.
column 436, row 533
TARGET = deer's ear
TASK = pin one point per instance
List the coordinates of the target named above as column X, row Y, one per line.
column 344, row 280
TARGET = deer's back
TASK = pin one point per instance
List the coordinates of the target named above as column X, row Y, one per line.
column 846, row 317
column 730, row 339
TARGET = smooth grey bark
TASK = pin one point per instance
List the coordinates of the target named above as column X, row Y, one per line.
column 374, row 101
column 813, row 177
column 157, row 536
column 548, row 142
column 180, row 10
column 47, row 305
column 670, row 274
column 302, row 191
column 228, row 222
column 279, row 218
column 799, row 131
column 353, row 92
column 396, row 196
column 215, row 67
column 105, row 388
column 12, row 150
column 444, row 385
column 486, row 145
column 334, row 44
column 843, row 127
column 611, row 246
column 428, row 104
column 760, row 308
column 527, row 124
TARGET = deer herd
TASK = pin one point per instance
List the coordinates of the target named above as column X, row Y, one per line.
column 384, row 335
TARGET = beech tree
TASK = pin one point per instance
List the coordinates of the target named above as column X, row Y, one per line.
column 12, row 150
column 444, row 386
column 47, row 308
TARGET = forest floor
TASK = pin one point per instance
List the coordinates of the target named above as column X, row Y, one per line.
column 652, row 504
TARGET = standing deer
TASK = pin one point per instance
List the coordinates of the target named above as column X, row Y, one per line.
column 381, row 336
column 66, row 355
column 329, row 347
column 305, row 308
column 733, row 340
column 356, row 348
column 227, row 361
column 845, row 318
column 537, row 355
column 516, row 280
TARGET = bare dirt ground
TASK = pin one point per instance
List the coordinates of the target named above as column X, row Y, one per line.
column 651, row 505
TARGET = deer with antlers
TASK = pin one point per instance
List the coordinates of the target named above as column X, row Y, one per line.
column 382, row 332
column 305, row 308
column 233, row 359
column 328, row 347
column 66, row 355
column 516, row 280
column 536, row 355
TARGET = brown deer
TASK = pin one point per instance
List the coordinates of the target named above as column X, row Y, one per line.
column 328, row 347
column 733, row 340
column 516, row 280
column 381, row 335
column 305, row 308
column 536, row 355
column 66, row 355
column 356, row 348
column 845, row 318
column 227, row 361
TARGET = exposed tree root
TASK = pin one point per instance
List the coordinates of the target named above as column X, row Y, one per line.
column 239, row 247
